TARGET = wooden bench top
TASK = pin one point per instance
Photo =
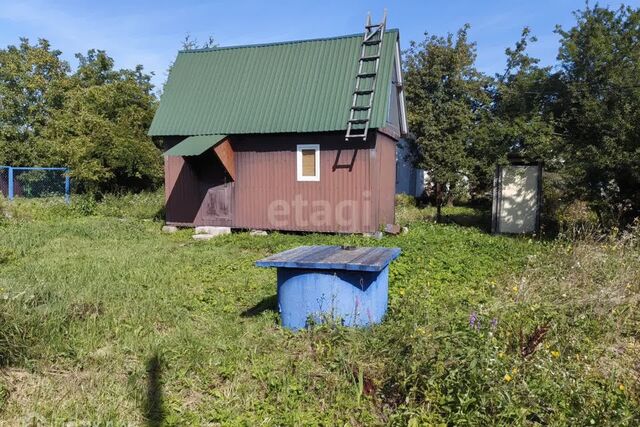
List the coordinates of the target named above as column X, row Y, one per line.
column 332, row 258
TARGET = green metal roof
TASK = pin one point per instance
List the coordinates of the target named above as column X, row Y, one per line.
column 194, row 145
column 301, row 86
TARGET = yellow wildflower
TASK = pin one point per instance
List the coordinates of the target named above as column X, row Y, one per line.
column 621, row 387
column 555, row 353
column 514, row 289
column 507, row 377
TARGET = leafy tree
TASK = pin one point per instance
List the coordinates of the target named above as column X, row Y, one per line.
column 33, row 80
column 446, row 98
column 94, row 120
column 600, row 109
column 100, row 131
column 521, row 119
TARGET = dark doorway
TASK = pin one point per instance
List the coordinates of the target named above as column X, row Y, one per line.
column 216, row 189
column 218, row 205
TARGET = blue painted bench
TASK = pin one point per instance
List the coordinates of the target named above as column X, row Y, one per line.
column 332, row 283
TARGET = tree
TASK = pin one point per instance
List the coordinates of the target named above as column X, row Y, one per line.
column 521, row 119
column 600, row 110
column 190, row 43
column 446, row 98
column 33, row 80
column 101, row 130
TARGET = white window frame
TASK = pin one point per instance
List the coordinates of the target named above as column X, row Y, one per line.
column 299, row 149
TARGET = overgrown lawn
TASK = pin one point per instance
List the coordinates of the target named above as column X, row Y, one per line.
column 105, row 318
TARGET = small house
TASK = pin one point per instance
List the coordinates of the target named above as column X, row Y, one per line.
column 296, row 135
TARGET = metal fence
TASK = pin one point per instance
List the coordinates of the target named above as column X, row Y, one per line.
column 34, row 182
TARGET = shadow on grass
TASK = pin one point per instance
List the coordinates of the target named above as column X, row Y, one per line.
column 153, row 410
column 480, row 220
column 267, row 304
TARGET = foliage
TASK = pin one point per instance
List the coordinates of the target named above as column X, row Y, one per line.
column 130, row 324
column 94, row 120
column 191, row 43
column 101, row 131
column 600, row 110
column 581, row 117
column 521, row 119
column 144, row 206
column 445, row 96
column 33, row 79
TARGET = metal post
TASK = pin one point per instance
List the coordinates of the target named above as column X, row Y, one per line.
column 67, row 186
column 10, row 178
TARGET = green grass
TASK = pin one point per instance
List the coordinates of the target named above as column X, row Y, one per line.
column 104, row 318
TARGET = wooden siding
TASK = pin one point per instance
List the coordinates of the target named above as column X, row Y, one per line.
column 355, row 193
column 188, row 181
column 386, row 156
column 225, row 153
column 269, row 196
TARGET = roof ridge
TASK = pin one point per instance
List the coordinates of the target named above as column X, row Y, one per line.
column 320, row 39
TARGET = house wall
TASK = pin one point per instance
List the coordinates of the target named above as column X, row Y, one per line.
column 386, row 178
column 186, row 182
column 355, row 192
column 268, row 195
column 409, row 180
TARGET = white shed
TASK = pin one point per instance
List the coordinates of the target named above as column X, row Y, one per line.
column 517, row 198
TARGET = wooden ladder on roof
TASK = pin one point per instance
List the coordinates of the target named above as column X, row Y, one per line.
column 368, row 65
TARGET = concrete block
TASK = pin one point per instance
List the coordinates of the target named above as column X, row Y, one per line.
column 203, row 236
column 376, row 235
column 169, row 229
column 258, row 233
column 214, row 231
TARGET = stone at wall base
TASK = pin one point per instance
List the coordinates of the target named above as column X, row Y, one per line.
column 392, row 229
column 376, row 235
column 214, row 231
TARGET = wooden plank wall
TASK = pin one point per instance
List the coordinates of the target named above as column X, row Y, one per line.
column 386, row 156
column 267, row 183
column 357, row 199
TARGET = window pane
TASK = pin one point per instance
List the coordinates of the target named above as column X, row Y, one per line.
column 308, row 162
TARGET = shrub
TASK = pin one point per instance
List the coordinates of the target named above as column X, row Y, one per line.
column 405, row 200
column 578, row 221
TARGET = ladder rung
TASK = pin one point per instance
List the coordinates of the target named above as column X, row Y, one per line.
column 357, row 135
column 358, row 121
column 373, row 26
column 372, row 42
column 366, row 75
column 363, row 91
column 360, row 107
column 370, row 58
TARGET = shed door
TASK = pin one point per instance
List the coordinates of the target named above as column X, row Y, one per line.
column 518, row 205
column 219, row 205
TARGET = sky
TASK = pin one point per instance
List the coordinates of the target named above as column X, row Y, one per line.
column 151, row 32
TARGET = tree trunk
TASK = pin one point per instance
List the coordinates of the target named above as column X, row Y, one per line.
column 450, row 195
column 438, row 202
